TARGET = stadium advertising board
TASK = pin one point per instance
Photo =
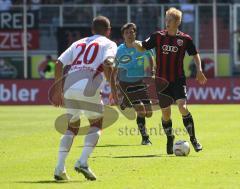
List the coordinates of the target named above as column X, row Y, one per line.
column 24, row 92
column 217, row 91
column 11, row 30
column 13, row 39
column 35, row 92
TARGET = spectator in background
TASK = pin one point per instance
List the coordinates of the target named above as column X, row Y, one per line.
column 35, row 5
column 7, row 70
column 143, row 14
column 188, row 16
column 46, row 68
column 53, row 1
column 5, row 5
column 121, row 1
column 238, row 43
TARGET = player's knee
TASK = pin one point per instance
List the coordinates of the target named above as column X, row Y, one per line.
column 74, row 127
column 141, row 113
column 96, row 123
column 140, row 110
column 183, row 109
column 74, row 130
column 182, row 106
column 148, row 109
column 166, row 115
column 148, row 114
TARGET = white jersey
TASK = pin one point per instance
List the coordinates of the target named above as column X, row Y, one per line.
column 87, row 55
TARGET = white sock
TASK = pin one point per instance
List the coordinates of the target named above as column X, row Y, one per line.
column 64, row 148
column 90, row 142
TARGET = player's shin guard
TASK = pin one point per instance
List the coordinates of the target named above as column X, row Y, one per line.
column 189, row 125
column 90, row 142
column 64, row 148
column 141, row 126
column 167, row 127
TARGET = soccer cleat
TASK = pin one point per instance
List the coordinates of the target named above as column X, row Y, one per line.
column 146, row 141
column 196, row 145
column 61, row 175
column 86, row 171
column 170, row 141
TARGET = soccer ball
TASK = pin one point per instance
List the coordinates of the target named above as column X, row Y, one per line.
column 181, row 148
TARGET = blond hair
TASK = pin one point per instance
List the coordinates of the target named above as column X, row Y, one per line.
column 175, row 13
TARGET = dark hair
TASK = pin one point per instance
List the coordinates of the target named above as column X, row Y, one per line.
column 100, row 25
column 49, row 57
column 128, row 25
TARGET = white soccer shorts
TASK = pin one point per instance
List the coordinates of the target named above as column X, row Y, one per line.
column 77, row 104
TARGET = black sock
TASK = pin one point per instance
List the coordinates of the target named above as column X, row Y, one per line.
column 189, row 125
column 167, row 127
column 141, row 126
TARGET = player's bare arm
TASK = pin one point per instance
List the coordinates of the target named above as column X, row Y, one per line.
column 200, row 75
column 153, row 67
column 138, row 45
column 110, row 74
column 57, row 97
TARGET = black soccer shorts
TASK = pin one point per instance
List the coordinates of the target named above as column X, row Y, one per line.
column 135, row 92
column 174, row 91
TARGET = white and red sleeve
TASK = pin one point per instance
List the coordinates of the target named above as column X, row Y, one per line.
column 110, row 51
column 67, row 56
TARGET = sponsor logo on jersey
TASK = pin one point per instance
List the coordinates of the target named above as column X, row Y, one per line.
column 125, row 59
column 167, row 48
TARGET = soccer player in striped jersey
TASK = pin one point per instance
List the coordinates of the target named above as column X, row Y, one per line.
column 170, row 45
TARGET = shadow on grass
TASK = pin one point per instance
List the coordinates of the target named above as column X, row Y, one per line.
column 47, row 182
column 145, row 156
column 151, row 156
column 112, row 145
column 140, row 156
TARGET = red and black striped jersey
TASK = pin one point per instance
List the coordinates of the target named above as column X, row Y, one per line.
column 170, row 52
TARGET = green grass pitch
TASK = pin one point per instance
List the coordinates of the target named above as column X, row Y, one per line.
column 29, row 147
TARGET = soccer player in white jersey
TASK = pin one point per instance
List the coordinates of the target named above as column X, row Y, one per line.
column 89, row 59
